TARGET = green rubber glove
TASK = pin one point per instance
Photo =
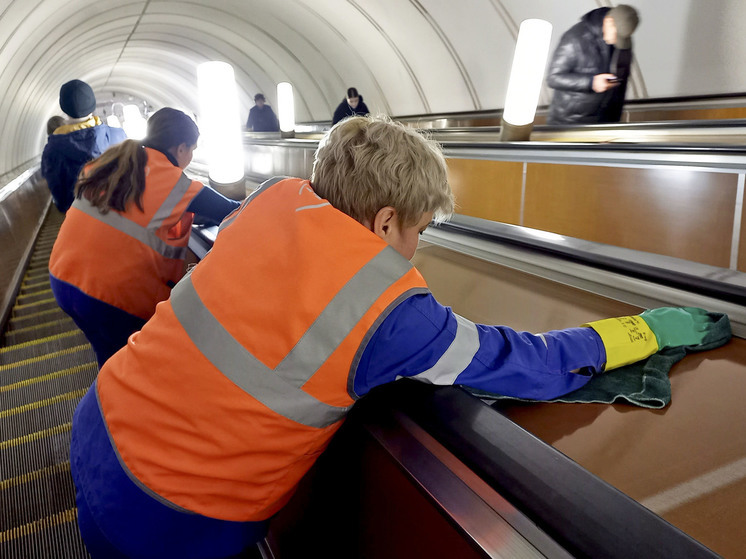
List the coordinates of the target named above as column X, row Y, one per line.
column 678, row 326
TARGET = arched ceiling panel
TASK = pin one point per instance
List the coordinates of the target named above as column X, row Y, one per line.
column 405, row 56
column 485, row 61
column 368, row 60
column 238, row 47
column 431, row 69
column 346, row 66
column 36, row 56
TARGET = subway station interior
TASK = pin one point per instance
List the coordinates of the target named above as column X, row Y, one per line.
column 566, row 224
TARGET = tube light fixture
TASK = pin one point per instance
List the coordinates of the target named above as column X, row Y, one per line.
column 220, row 124
column 286, row 108
column 526, row 75
column 134, row 124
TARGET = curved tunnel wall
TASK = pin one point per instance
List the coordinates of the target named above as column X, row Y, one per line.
column 405, row 56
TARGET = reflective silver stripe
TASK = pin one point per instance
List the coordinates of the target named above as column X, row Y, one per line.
column 262, row 187
column 313, row 207
column 242, row 368
column 341, row 315
column 457, row 357
column 120, row 223
column 174, row 197
column 371, row 332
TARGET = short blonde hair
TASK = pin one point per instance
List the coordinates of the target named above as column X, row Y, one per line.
column 366, row 163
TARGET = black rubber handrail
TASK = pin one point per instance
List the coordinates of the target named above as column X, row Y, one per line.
column 513, row 235
column 584, row 514
column 580, row 511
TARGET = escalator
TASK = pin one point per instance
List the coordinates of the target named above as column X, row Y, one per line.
column 46, row 365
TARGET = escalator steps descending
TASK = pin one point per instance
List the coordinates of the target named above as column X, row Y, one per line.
column 46, row 365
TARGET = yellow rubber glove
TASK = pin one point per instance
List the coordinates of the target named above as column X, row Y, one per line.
column 629, row 339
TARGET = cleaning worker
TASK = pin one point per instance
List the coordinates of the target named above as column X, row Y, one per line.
column 123, row 243
column 199, row 430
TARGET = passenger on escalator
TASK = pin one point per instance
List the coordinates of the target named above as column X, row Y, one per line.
column 81, row 139
column 198, row 431
column 590, row 67
column 123, row 243
column 351, row 105
column 261, row 116
column 54, row 123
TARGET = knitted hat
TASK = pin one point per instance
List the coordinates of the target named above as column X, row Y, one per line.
column 625, row 19
column 77, row 99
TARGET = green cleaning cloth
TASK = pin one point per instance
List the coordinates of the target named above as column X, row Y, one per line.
column 644, row 383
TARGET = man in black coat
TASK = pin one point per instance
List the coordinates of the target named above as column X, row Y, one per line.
column 590, row 67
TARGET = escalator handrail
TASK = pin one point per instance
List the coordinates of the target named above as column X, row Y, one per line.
column 680, row 274
column 584, row 514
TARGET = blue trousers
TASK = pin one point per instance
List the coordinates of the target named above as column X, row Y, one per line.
column 119, row 518
column 105, row 326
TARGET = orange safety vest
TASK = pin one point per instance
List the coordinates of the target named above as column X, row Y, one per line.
column 227, row 396
column 129, row 259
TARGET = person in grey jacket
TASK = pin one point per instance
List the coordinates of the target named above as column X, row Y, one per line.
column 590, row 67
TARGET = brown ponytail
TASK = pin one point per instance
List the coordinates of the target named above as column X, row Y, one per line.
column 115, row 178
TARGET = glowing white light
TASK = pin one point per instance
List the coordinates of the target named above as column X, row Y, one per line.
column 134, row 124
column 261, row 163
column 286, row 107
column 113, row 120
column 527, row 72
column 219, row 122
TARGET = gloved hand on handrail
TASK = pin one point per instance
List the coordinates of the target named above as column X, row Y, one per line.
column 629, row 339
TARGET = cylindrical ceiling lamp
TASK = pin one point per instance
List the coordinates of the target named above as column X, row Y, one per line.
column 526, row 75
column 220, row 127
column 134, row 124
column 286, row 108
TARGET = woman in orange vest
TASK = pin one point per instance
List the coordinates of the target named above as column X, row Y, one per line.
column 122, row 245
column 238, row 390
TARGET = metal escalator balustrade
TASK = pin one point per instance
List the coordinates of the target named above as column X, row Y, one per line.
column 46, row 366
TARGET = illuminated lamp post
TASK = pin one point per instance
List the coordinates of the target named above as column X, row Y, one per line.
column 220, row 128
column 286, row 108
column 524, row 85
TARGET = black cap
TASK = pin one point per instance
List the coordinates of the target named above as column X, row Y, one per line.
column 77, row 99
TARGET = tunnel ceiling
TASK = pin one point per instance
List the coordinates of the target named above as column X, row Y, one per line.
column 405, row 56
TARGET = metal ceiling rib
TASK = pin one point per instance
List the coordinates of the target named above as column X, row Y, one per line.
column 62, row 40
column 407, row 57
column 150, row 49
column 452, row 51
column 333, row 31
column 396, row 50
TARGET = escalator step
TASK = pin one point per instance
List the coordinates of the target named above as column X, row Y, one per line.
column 28, row 319
column 47, row 303
column 46, row 365
column 35, row 331
column 40, row 347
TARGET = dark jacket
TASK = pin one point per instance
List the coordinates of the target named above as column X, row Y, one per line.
column 262, row 119
column 580, row 55
column 65, row 154
column 343, row 110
